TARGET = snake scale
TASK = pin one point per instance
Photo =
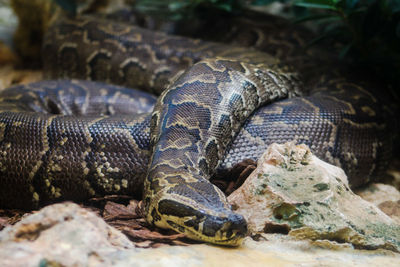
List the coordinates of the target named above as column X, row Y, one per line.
column 218, row 105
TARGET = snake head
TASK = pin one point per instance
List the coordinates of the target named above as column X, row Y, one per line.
column 200, row 211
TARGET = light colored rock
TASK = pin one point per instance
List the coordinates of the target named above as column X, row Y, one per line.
column 274, row 250
column 386, row 197
column 63, row 233
column 293, row 191
column 379, row 193
column 68, row 235
column 393, row 172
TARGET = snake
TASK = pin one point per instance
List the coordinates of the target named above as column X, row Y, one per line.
column 218, row 104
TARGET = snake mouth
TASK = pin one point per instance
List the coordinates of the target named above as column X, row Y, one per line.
column 226, row 236
column 227, row 230
column 233, row 241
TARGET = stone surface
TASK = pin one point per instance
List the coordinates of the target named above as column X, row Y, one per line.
column 63, row 233
column 294, row 192
column 379, row 193
column 386, row 197
column 68, row 235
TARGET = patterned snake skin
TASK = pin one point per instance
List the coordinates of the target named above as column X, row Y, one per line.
column 77, row 139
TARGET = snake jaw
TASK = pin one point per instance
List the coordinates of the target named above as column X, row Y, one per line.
column 228, row 231
column 199, row 221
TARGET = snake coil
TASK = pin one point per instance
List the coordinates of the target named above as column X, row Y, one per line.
column 77, row 139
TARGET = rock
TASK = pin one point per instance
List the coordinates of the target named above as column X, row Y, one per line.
column 61, row 233
column 272, row 250
column 392, row 209
column 378, row 193
column 386, row 197
column 68, row 235
column 294, row 192
column 393, row 173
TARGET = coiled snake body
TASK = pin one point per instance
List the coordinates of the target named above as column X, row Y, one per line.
column 76, row 139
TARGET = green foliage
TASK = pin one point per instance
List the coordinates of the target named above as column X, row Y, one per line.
column 70, row 6
column 185, row 9
column 369, row 31
column 363, row 25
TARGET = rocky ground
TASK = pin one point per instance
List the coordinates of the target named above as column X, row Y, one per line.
column 112, row 231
